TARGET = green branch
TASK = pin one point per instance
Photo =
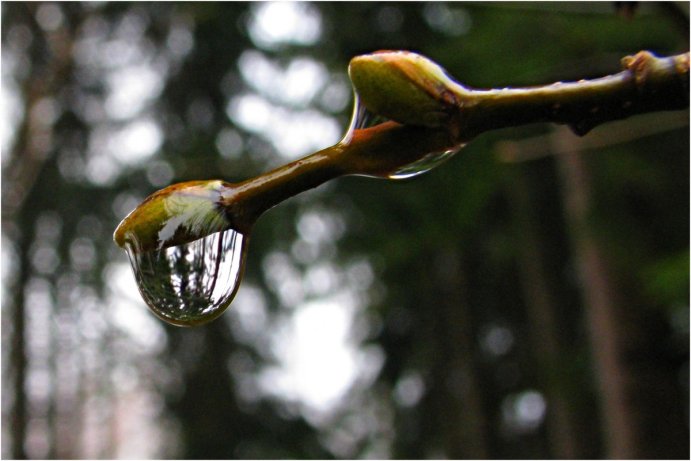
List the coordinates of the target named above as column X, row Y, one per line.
column 428, row 112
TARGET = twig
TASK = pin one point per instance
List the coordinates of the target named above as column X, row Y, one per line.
column 429, row 113
column 411, row 89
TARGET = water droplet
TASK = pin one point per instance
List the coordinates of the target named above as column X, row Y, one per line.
column 363, row 118
column 425, row 164
column 192, row 283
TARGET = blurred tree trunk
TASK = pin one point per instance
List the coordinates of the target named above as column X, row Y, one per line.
column 18, row 359
column 632, row 369
column 26, row 162
column 636, row 370
column 600, row 301
column 545, row 331
column 52, row 414
column 461, row 416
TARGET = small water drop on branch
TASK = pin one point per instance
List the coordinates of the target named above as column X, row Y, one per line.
column 363, row 119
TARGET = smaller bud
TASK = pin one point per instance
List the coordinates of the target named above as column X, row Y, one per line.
column 177, row 214
column 405, row 87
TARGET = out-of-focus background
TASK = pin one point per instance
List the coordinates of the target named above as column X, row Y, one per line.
column 527, row 299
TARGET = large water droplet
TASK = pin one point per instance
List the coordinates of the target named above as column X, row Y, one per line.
column 363, row 118
column 192, row 283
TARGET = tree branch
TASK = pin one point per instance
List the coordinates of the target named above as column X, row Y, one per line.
column 410, row 89
column 647, row 84
column 429, row 113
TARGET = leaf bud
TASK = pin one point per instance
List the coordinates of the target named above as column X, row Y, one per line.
column 405, row 87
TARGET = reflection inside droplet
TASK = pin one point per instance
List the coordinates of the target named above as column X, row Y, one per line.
column 363, row 118
column 192, row 283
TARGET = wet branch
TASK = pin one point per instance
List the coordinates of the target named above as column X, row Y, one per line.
column 428, row 112
column 646, row 84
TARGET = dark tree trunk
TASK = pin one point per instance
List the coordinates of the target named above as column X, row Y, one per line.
column 546, row 332
column 634, row 373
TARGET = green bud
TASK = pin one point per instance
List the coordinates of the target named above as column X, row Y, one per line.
column 405, row 87
column 177, row 214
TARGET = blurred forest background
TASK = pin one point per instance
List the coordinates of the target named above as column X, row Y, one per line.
column 528, row 299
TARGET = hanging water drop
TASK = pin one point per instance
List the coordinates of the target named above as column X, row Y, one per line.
column 192, row 283
column 186, row 251
column 430, row 161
